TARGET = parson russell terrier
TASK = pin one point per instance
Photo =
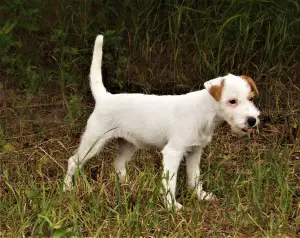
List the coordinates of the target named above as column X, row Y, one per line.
column 180, row 125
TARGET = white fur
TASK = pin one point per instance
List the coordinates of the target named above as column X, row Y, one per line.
column 179, row 125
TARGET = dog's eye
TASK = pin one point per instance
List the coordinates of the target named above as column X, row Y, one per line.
column 251, row 99
column 232, row 102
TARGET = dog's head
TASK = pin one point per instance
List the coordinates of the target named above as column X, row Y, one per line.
column 234, row 95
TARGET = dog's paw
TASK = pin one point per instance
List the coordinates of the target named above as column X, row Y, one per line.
column 123, row 178
column 176, row 206
column 206, row 196
column 67, row 186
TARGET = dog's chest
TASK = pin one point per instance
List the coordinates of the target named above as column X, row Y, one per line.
column 203, row 140
column 203, row 135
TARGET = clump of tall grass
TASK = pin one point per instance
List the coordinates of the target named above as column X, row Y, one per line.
column 212, row 39
column 169, row 45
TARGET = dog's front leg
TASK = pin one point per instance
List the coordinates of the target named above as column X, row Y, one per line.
column 171, row 162
column 193, row 172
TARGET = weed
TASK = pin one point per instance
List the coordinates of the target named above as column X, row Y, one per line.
column 75, row 110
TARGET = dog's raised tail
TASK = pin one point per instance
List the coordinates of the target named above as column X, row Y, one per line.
column 97, row 85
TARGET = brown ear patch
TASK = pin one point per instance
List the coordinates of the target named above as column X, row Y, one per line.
column 216, row 91
column 251, row 83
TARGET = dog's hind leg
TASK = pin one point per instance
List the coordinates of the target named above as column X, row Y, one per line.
column 92, row 141
column 193, row 173
column 125, row 153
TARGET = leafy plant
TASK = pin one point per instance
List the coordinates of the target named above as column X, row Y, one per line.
column 114, row 59
column 75, row 111
column 19, row 16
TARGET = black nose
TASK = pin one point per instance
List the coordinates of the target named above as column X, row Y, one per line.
column 251, row 121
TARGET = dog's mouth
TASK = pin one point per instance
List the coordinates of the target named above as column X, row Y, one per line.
column 243, row 131
column 247, row 130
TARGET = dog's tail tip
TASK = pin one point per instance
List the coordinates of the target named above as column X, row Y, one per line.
column 95, row 71
column 99, row 40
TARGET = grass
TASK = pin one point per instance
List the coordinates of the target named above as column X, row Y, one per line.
column 152, row 47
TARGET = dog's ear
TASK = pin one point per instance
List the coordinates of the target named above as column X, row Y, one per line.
column 251, row 83
column 215, row 87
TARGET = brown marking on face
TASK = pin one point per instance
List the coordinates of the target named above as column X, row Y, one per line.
column 216, row 91
column 251, row 84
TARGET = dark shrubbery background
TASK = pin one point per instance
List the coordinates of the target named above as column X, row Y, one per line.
column 150, row 46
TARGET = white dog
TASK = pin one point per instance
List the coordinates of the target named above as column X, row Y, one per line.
column 179, row 125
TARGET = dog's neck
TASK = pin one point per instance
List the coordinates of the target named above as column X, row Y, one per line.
column 210, row 110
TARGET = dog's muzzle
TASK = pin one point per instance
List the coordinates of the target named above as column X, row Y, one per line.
column 250, row 123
